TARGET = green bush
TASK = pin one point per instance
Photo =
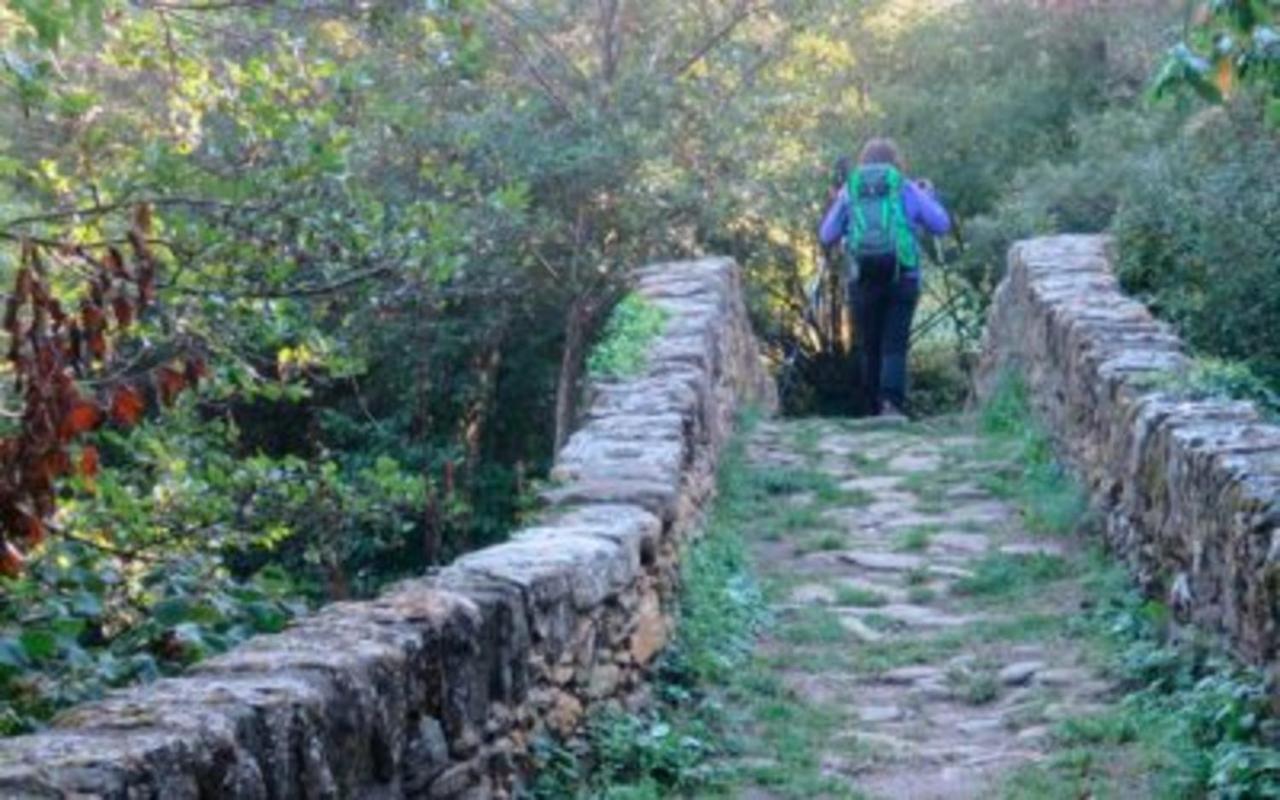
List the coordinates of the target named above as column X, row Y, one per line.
column 1215, row 378
column 1199, row 238
column 623, row 349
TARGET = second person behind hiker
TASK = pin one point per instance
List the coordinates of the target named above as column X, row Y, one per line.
column 879, row 213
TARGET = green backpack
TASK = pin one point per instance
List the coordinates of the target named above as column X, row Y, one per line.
column 878, row 227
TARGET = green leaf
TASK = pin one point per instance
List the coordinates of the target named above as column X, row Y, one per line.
column 39, row 645
column 171, row 611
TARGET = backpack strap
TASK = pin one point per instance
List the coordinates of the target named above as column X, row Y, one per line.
column 893, row 213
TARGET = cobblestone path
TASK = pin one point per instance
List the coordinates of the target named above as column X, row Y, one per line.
column 913, row 608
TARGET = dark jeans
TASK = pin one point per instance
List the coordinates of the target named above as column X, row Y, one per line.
column 882, row 311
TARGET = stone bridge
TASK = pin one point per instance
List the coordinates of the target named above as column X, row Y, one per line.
column 438, row 687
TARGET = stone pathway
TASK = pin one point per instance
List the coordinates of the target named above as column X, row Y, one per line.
column 910, row 603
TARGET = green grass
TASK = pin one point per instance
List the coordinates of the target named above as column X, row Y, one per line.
column 824, row 542
column 869, row 466
column 807, row 438
column 976, row 687
column 858, row 596
column 1193, row 723
column 813, row 626
column 883, row 623
column 930, row 488
column 916, row 539
column 921, row 595
column 797, row 519
column 1000, row 575
column 1028, row 471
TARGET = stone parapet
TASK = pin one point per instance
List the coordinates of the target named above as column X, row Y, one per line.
column 437, row 688
column 1190, row 489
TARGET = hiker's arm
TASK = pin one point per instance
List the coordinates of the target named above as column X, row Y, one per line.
column 924, row 210
column 835, row 222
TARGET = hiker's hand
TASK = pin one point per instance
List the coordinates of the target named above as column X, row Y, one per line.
column 925, row 184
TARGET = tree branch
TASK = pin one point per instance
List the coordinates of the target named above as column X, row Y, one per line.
column 745, row 10
column 100, row 209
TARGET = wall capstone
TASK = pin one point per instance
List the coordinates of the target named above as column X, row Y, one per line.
column 1190, row 489
column 437, row 688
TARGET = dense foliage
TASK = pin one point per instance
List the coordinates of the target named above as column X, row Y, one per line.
column 390, row 231
column 385, row 237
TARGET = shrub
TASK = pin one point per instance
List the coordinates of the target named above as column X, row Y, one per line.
column 1214, row 377
column 623, row 349
column 1199, row 238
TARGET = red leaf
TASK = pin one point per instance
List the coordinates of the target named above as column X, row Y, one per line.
column 98, row 344
column 89, row 461
column 124, row 311
column 82, row 417
column 170, row 382
column 33, row 530
column 91, row 315
column 127, row 406
column 52, row 466
column 11, row 560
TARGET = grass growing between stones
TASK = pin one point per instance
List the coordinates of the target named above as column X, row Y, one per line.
column 1187, row 721
column 998, row 575
column 1028, row 472
column 859, row 596
column 915, row 539
column 720, row 719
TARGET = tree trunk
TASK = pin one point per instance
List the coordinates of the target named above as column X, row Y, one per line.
column 570, row 370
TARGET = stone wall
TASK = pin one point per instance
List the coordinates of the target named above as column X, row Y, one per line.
column 437, row 688
column 1190, row 489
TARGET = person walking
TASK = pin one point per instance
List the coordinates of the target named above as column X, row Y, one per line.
column 879, row 213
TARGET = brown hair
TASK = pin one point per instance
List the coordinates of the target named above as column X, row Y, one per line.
column 882, row 151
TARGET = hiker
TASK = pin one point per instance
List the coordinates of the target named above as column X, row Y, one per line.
column 879, row 213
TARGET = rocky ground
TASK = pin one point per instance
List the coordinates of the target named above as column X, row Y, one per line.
column 916, row 617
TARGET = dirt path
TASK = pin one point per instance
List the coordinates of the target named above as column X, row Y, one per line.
column 913, row 610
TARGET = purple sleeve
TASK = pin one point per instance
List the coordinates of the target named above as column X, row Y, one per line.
column 924, row 210
column 836, row 221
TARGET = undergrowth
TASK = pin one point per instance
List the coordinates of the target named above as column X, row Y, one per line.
column 1029, row 473
column 1214, row 378
column 623, row 348
column 1188, row 721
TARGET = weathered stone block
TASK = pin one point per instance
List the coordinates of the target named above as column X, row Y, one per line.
column 1190, row 489
column 435, row 688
